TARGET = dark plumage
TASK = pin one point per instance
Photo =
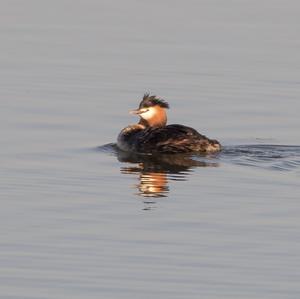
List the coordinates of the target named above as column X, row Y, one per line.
column 169, row 139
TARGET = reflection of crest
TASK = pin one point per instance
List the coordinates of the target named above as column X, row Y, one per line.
column 151, row 184
column 155, row 171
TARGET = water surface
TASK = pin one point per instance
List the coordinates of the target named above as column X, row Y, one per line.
column 78, row 219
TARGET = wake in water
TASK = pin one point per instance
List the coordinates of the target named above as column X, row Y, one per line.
column 275, row 157
column 268, row 156
column 154, row 171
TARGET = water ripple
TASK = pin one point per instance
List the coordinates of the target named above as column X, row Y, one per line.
column 155, row 171
column 267, row 156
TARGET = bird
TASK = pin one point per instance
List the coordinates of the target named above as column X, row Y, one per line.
column 152, row 135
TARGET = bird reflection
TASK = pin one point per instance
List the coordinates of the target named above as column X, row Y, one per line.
column 155, row 171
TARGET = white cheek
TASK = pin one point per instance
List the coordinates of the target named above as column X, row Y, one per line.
column 149, row 114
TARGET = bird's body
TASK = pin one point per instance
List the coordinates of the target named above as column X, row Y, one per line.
column 152, row 135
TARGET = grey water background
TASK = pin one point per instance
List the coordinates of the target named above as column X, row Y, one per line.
column 77, row 220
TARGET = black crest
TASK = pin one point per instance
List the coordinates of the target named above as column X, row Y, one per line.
column 150, row 101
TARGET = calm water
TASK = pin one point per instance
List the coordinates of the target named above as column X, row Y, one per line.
column 79, row 219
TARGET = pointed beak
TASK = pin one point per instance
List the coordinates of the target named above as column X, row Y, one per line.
column 138, row 111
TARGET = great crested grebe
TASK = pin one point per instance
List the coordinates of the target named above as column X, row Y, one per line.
column 153, row 135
